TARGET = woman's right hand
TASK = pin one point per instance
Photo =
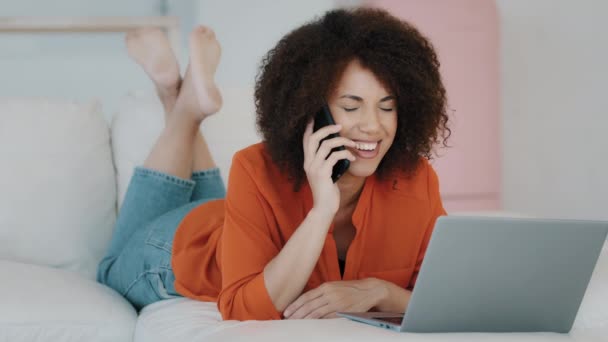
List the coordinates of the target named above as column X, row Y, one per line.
column 318, row 166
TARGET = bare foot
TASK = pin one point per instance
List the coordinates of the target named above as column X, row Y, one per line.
column 199, row 94
column 151, row 49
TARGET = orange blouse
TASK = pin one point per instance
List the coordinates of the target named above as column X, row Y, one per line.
column 221, row 247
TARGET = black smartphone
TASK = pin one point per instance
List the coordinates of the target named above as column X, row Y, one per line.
column 324, row 118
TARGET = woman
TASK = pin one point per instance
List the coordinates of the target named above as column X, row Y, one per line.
column 287, row 242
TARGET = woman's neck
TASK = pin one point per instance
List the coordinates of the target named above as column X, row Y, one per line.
column 350, row 190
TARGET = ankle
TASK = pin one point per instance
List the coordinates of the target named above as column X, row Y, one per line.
column 183, row 124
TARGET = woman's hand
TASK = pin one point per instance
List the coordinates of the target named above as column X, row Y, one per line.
column 318, row 166
column 338, row 296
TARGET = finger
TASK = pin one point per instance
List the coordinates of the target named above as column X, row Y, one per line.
column 307, row 133
column 328, row 164
column 322, row 158
column 308, row 152
column 329, row 144
column 326, row 169
column 316, row 137
column 303, row 299
column 320, row 312
column 312, row 309
column 331, row 314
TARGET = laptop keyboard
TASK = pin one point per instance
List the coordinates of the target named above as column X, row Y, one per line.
column 394, row 320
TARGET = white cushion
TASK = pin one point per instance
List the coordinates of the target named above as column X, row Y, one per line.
column 140, row 120
column 40, row 303
column 58, row 190
column 135, row 127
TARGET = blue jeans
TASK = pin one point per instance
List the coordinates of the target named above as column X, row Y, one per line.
column 138, row 261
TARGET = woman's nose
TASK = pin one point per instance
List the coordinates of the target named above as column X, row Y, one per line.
column 369, row 122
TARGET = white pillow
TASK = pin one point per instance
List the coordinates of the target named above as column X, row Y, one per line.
column 58, row 200
column 135, row 127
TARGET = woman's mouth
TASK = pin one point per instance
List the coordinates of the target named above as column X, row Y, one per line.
column 366, row 149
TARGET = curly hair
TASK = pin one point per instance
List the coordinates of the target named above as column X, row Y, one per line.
column 300, row 72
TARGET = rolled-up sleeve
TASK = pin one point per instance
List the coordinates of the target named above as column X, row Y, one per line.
column 246, row 248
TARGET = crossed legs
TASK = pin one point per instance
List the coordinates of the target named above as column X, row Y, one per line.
column 181, row 148
column 178, row 174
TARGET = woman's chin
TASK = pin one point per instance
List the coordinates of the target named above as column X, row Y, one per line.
column 358, row 169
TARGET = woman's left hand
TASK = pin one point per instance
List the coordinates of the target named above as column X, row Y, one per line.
column 338, row 296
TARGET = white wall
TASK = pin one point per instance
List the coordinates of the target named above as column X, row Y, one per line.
column 553, row 83
column 76, row 66
column 553, row 102
column 96, row 66
column 248, row 29
column 555, row 107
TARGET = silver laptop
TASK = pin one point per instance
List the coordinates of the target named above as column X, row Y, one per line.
column 483, row 274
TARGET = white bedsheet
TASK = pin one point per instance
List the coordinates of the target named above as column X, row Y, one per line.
column 183, row 319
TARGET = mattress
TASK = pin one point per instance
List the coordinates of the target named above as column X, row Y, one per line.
column 184, row 319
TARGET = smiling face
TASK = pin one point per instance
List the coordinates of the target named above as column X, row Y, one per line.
column 368, row 115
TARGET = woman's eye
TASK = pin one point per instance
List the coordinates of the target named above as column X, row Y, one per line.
column 387, row 109
column 350, row 109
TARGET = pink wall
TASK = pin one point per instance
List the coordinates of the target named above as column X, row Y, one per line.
column 465, row 35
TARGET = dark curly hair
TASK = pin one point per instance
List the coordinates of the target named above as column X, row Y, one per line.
column 299, row 73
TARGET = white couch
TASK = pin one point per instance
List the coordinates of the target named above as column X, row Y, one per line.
column 61, row 179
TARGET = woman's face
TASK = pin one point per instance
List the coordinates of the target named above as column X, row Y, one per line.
column 368, row 115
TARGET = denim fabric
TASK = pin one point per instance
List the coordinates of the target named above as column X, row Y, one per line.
column 138, row 261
